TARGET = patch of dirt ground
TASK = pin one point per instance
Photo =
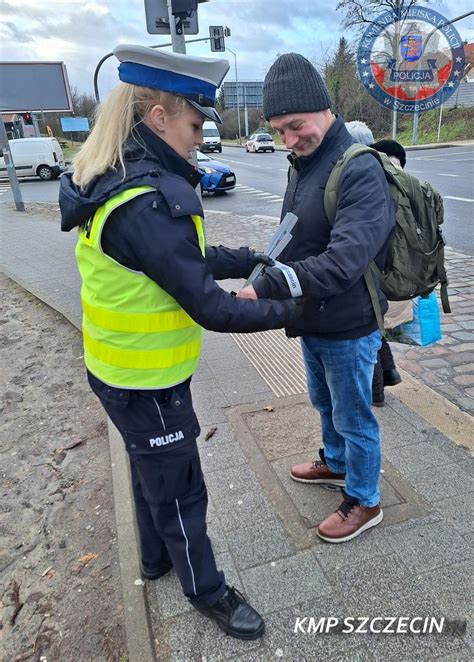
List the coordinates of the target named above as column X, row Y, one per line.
column 60, row 587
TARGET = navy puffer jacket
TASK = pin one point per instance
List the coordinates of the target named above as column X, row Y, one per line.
column 330, row 261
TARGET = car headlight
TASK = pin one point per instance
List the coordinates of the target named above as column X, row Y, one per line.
column 209, row 171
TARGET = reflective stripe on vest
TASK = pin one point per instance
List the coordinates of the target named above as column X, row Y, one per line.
column 135, row 334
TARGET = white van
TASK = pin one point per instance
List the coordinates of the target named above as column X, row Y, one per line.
column 35, row 156
column 211, row 138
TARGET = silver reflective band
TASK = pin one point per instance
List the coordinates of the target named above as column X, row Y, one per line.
column 279, row 241
column 291, row 279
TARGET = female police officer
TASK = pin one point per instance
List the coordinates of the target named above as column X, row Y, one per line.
column 147, row 289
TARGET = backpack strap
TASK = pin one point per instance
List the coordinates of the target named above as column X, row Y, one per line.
column 332, row 185
column 330, row 207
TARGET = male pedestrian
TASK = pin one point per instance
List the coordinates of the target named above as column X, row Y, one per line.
column 338, row 329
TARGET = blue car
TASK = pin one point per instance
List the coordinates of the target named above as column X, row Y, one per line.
column 217, row 176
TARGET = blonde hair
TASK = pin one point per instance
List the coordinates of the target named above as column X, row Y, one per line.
column 125, row 107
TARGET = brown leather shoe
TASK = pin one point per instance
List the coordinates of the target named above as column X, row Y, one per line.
column 349, row 521
column 317, row 472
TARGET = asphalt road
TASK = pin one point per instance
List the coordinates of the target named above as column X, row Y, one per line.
column 261, row 181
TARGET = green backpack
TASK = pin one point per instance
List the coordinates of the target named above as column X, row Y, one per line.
column 415, row 258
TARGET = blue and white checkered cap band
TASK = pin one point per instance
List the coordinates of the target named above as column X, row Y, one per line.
column 201, row 91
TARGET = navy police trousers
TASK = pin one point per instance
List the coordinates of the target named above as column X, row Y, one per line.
column 160, row 429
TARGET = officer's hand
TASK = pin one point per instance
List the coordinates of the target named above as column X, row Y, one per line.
column 247, row 293
column 259, row 258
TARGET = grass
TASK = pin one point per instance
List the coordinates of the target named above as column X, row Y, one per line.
column 457, row 124
column 70, row 149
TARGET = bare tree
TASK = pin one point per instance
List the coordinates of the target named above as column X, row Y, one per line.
column 365, row 13
column 349, row 97
column 84, row 104
column 360, row 15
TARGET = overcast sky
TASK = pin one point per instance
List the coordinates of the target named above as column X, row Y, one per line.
column 80, row 32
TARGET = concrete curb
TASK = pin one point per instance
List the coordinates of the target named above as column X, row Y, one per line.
column 137, row 623
column 435, row 410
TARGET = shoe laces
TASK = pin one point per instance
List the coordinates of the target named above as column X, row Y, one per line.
column 321, row 462
column 235, row 597
column 345, row 508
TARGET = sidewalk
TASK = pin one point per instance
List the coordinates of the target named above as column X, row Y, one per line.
column 251, row 389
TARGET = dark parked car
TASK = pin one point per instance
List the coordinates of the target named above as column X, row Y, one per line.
column 217, row 176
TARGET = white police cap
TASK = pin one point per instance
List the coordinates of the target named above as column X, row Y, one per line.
column 194, row 78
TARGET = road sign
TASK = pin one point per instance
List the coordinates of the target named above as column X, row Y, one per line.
column 157, row 19
column 216, row 34
column 34, row 87
column 74, row 124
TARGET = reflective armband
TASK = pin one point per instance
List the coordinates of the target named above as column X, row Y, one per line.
column 291, row 279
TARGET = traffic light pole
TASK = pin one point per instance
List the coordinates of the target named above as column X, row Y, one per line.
column 178, row 44
column 177, row 40
column 36, row 125
column 11, row 172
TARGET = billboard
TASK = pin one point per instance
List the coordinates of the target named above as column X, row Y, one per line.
column 72, row 124
column 34, row 87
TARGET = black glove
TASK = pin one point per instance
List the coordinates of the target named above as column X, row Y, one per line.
column 259, row 258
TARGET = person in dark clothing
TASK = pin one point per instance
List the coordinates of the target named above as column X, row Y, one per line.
column 339, row 333
column 147, row 289
column 393, row 149
column 385, row 372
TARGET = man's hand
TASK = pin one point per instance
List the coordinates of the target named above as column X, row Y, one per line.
column 247, row 293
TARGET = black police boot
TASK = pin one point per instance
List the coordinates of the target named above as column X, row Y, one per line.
column 378, row 398
column 235, row 616
column 391, row 376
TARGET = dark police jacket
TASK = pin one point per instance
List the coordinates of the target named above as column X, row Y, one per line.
column 330, row 262
column 154, row 234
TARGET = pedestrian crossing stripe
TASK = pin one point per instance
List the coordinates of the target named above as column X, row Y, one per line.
column 258, row 193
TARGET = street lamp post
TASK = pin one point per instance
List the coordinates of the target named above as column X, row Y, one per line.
column 237, row 91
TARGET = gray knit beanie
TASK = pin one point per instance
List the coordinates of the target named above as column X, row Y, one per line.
column 292, row 85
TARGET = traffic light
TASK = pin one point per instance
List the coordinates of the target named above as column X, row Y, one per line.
column 216, row 37
column 27, row 118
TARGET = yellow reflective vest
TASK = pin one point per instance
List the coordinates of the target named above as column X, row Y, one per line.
column 136, row 335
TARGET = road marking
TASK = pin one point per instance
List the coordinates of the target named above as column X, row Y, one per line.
column 216, row 211
column 251, row 165
column 437, row 156
column 257, row 193
column 454, row 197
column 417, row 171
column 459, row 160
column 446, row 174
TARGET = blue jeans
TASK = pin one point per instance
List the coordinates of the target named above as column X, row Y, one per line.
column 339, row 374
